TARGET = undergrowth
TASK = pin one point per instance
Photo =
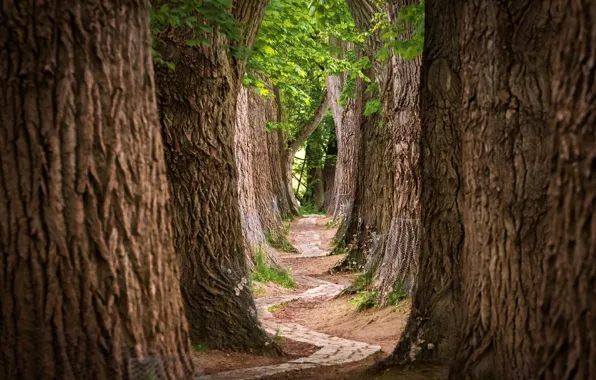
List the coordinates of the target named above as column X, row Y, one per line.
column 397, row 294
column 200, row 347
column 281, row 242
column 367, row 298
column 310, row 209
column 264, row 273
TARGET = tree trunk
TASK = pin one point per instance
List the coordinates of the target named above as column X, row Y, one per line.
column 347, row 129
column 430, row 333
column 568, row 347
column 197, row 103
column 88, row 275
column 255, row 184
column 385, row 220
column 505, row 155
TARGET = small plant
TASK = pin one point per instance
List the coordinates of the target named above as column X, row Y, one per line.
column 258, row 292
column 365, row 300
column 362, row 283
column 396, row 294
column 310, row 209
column 200, row 347
column 277, row 338
column 281, row 242
column 340, row 249
column 279, row 306
column 264, row 273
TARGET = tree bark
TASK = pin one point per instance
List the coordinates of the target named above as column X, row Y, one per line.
column 506, row 87
column 197, row 103
column 383, row 231
column 255, row 183
column 88, row 275
column 568, row 347
column 431, row 331
column 347, row 130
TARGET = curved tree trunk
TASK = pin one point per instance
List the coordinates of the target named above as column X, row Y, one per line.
column 568, row 349
column 505, row 154
column 88, row 275
column 255, row 184
column 197, row 103
column 431, row 331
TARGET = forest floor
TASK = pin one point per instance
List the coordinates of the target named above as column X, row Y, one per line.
column 321, row 332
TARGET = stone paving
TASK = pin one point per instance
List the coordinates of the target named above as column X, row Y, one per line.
column 307, row 242
column 332, row 350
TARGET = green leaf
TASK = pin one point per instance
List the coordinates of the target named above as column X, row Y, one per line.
column 192, row 43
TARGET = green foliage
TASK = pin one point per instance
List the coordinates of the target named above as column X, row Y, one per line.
column 365, row 300
column 257, row 292
column 396, row 294
column 201, row 17
column 200, row 347
column 372, row 106
column 340, row 249
column 309, row 209
column 274, row 308
column 406, row 35
column 280, row 242
column 277, row 338
column 363, row 282
column 265, row 273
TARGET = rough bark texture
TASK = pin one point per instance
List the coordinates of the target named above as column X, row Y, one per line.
column 88, row 274
column 383, row 230
column 347, row 131
column 430, row 333
column 568, row 350
column 197, row 104
column 505, row 73
column 258, row 206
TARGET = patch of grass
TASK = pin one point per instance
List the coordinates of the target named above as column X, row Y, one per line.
column 397, row 294
column 339, row 249
column 200, row 347
column 279, row 306
column 362, row 283
column 365, row 300
column 264, row 273
column 287, row 226
column 309, row 209
column 258, row 292
column 277, row 338
column 281, row 242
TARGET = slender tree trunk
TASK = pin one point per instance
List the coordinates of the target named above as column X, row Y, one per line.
column 197, row 103
column 568, row 347
column 505, row 155
column 88, row 275
column 431, row 331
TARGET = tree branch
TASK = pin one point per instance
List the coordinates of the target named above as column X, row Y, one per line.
column 307, row 129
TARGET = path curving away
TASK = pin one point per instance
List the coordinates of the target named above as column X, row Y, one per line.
column 332, row 350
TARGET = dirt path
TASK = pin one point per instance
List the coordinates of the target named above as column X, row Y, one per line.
column 347, row 342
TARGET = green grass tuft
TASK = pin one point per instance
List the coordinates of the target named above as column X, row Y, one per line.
column 365, row 300
column 281, row 242
column 397, row 294
column 309, row 209
column 264, row 273
column 200, row 347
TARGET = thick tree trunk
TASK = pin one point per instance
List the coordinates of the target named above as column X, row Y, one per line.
column 430, row 333
column 88, row 274
column 347, row 131
column 385, row 219
column 505, row 155
column 255, row 184
column 568, row 347
column 197, row 104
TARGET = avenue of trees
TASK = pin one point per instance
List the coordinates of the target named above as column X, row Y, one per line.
column 148, row 151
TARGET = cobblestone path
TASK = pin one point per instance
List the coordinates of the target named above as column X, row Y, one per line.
column 332, row 350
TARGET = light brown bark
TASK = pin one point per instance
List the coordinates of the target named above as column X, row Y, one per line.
column 197, row 103
column 568, row 344
column 88, row 275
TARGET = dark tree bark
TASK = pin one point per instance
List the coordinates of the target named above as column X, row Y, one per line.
column 329, row 171
column 568, row 347
column 431, row 331
column 197, row 103
column 506, row 77
column 88, row 275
